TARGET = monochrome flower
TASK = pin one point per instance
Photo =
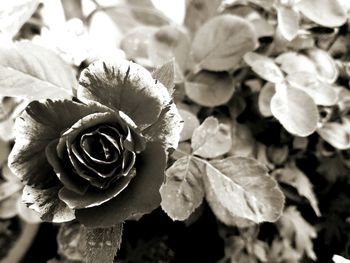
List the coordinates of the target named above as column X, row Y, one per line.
column 99, row 158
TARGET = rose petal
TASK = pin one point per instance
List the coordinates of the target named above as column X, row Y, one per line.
column 39, row 124
column 86, row 144
column 124, row 86
column 140, row 197
column 128, row 162
column 167, row 128
column 86, row 171
column 89, row 172
column 67, row 178
column 47, row 204
column 94, row 197
column 89, row 121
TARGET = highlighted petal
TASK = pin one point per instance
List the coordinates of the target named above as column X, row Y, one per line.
column 124, row 86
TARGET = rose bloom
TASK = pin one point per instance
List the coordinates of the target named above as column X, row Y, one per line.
column 100, row 158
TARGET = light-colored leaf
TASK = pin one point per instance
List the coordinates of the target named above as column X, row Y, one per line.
column 221, row 42
column 240, row 191
column 175, row 10
column 210, row 89
column 170, row 42
column 324, row 63
column 264, row 66
column 322, row 93
column 8, row 207
column 282, row 251
column 263, row 28
column 295, row 110
column 211, row 139
column 294, row 227
column 243, row 143
column 135, row 42
column 198, row 12
column 264, row 100
column 340, row 259
column 8, row 188
column 291, row 62
column 183, row 189
column 328, row 13
column 191, row 122
column 292, row 175
column 336, row 134
column 288, row 21
column 13, row 14
column 33, row 72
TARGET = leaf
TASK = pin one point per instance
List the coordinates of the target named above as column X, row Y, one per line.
column 291, row 62
column 103, row 243
column 243, row 143
column 264, row 100
column 292, row 175
column 32, row 72
column 166, row 74
column 340, row 259
column 328, row 13
column 13, row 15
column 9, row 188
column 211, row 139
column 288, row 21
column 167, row 43
column 282, row 251
column 134, row 13
column 8, row 207
column 293, row 227
column 324, row 63
column 198, row 12
column 295, row 110
column 263, row 28
column 264, row 66
column 175, row 10
column 221, row 42
column 183, row 189
column 336, row 134
column 321, row 92
column 89, row 245
column 135, row 42
column 210, row 89
column 191, row 122
column 240, row 191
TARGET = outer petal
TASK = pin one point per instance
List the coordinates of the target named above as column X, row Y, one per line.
column 47, row 204
column 67, row 178
column 94, row 196
column 167, row 128
column 39, row 124
column 140, row 197
column 125, row 86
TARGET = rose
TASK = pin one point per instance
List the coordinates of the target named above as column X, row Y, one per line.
column 101, row 158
